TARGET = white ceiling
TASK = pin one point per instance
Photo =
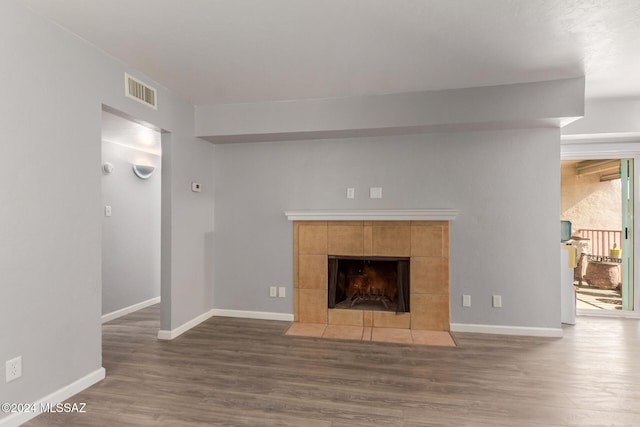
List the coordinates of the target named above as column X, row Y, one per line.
column 231, row 51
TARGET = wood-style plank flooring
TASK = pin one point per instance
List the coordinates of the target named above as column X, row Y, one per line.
column 242, row 372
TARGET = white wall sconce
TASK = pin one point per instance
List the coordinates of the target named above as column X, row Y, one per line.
column 107, row 168
column 143, row 171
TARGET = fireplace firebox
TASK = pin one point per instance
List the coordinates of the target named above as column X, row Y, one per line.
column 369, row 283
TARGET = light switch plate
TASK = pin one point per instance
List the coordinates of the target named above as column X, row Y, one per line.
column 466, row 300
column 107, row 210
column 497, row 301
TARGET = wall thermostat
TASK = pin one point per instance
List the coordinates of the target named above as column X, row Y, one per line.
column 196, row 187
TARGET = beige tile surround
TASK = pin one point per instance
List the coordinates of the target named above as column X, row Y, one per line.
column 425, row 242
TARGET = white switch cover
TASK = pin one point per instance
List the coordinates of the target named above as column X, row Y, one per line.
column 273, row 291
column 351, row 193
column 281, row 292
column 466, row 300
column 375, row 193
column 107, row 210
column 497, row 301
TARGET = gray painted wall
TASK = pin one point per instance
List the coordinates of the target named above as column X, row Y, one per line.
column 506, row 185
column 52, row 92
column 190, row 216
column 131, row 235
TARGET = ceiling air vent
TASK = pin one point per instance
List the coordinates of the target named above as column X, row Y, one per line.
column 139, row 91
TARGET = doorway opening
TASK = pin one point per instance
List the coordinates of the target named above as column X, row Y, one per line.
column 131, row 215
column 597, row 199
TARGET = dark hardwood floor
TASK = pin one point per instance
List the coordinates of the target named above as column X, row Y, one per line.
column 241, row 372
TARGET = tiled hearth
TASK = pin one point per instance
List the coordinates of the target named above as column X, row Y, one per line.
column 358, row 333
column 426, row 243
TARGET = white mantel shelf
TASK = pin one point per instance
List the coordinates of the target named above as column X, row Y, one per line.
column 374, row 215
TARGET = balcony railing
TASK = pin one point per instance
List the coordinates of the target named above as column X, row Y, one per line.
column 602, row 240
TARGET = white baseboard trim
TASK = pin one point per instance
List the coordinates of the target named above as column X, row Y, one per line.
column 507, row 330
column 173, row 333
column 54, row 398
column 262, row 315
column 607, row 313
column 124, row 311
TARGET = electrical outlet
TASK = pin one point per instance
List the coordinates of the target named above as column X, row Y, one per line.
column 281, row 292
column 14, row 369
column 351, row 193
column 497, row 301
column 466, row 300
column 273, row 291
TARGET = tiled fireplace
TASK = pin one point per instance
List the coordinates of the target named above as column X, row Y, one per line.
column 425, row 243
